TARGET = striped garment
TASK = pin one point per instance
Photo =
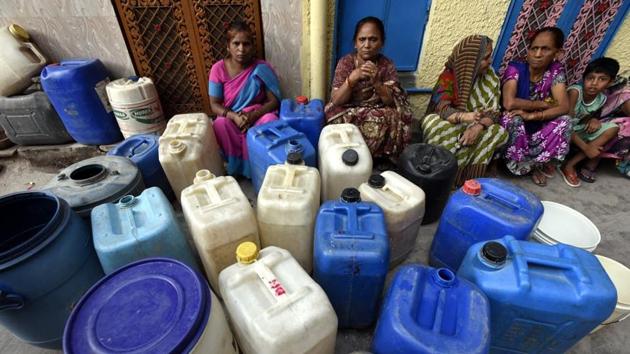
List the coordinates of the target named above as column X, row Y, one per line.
column 485, row 93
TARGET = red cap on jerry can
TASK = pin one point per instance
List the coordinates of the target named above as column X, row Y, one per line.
column 301, row 99
column 471, row 187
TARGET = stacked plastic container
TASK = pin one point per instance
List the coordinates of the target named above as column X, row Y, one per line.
column 287, row 206
column 143, row 150
column 219, row 217
column 430, row 310
column 344, row 159
column 483, row 209
column 543, row 299
column 139, row 227
column 403, row 205
column 304, row 116
column 274, row 306
column 188, row 145
column 157, row 305
column 269, row 144
column 351, row 257
column 136, row 106
column 76, row 88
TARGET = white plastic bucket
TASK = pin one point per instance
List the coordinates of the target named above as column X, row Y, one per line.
column 620, row 276
column 136, row 106
column 561, row 224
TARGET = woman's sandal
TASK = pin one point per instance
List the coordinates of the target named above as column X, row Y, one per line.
column 548, row 170
column 587, row 175
column 539, row 178
column 571, row 179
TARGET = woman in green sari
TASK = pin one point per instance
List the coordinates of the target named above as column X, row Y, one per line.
column 464, row 108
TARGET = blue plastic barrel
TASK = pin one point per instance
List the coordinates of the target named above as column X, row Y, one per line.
column 76, row 88
column 267, row 145
column 139, row 227
column 304, row 116
column 429, row 310
column 156, row 305
column 351, row 257
column 482, row 209
column 543, row 299
column 47, row 262
column 143, row 150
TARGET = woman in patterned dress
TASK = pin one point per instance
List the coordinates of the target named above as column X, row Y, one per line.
column 464, row 108
column 536, row 103
column 366, row 92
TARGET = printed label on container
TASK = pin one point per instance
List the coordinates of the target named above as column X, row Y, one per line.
column 102, row 94
column 272, row 284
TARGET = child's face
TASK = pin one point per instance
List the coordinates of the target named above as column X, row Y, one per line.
column 594, row 83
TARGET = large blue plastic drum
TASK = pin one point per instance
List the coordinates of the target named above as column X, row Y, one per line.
column 47, row 262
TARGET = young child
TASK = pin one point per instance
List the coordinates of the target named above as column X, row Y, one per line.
column 590, row 135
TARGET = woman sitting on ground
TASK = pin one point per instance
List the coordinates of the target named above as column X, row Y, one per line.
column 464, row 108
column 535, row 97
column 244, row 92
column 366, row 92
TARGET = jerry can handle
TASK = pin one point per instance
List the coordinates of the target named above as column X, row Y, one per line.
column 138, row 145
column 36, row 52
column 424, row 165
column 10, row 301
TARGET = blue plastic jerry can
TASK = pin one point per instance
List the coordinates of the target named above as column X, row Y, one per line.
column 430, row 310
column 304, row 116
column 351, row 257
column 143, row 150
column 543, row 299
column 269, row 144
column 482, row 209
column 137, row 228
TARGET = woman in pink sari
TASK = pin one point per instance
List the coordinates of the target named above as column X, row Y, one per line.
column 243, row 92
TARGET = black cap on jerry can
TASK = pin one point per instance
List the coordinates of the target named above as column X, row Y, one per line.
column 350, row 157
column 351, row 195
column 494, row 252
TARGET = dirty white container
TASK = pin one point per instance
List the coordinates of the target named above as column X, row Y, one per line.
column 344, row 159
column 403, row 205
column 287, row 206
column 620, row 277
column 20, row 60
column 136, row 106
column 562, row 224
column 155, row 305
column 274, row 306
column 188, row 145
column 219, row 217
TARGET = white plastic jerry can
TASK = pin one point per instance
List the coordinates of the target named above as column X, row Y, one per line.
column 20, row 60
column 287, row 206
column 188, row 145
column 403, row 205
column 219, row 217
column 274, row 306
column 344, row 159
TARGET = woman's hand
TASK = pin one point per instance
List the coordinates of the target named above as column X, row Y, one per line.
column 541, row 105
column 237, row 118
column 471, row 134
column 369, row 71
column 593, row 125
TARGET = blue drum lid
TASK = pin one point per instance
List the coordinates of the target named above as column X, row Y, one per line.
column 156, row 305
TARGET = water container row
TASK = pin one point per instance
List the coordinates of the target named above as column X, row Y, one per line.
column 79, row 102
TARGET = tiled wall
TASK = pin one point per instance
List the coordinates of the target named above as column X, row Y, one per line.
column 72, row 29
column 282, row 29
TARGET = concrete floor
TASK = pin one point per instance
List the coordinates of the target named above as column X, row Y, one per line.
column 606, row 203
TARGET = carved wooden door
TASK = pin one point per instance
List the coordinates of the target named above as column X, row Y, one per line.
column 175, row 42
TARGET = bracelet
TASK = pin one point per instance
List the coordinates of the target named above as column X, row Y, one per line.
column 225, row 112
column 542, row 115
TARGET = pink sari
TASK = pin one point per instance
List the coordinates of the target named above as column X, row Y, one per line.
column 243, row 93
